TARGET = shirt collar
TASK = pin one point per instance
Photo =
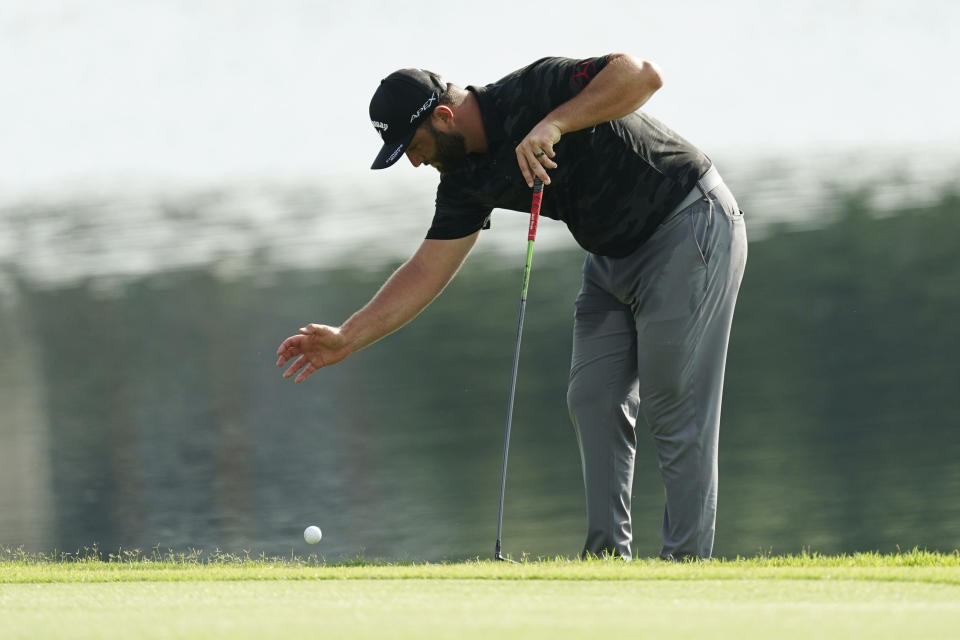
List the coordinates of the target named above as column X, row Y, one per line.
column 492, row 118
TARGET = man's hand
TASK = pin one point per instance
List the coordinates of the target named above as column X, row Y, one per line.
column 535, row 152
column 317, row 345
column 405, row 294
column 620, row 88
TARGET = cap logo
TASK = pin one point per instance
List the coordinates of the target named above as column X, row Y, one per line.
column 379, row 125
column 425, row 106
column 395, row 153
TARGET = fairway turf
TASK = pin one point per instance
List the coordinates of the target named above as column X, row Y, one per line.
column 870, row 596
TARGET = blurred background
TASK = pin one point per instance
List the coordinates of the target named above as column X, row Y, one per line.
column 184, row 184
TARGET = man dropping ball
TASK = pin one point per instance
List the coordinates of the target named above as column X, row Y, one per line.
column 666, row 247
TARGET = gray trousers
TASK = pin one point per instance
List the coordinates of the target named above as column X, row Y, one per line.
column 651, row 333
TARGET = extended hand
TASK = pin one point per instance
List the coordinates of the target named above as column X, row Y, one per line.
column 317, row 346
column 535, row 152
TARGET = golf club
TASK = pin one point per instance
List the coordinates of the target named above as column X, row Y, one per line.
column 531, row 236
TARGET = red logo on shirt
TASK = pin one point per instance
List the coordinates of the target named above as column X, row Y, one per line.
column 583, row 74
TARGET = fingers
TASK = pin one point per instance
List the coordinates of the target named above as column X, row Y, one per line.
column 299, row 364
column 308, row 371
column 535, row 152
column 304, row 366
column 534, row 158
column 288, row 349
column 315, row 329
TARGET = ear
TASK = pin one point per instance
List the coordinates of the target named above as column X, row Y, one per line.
column 442, row 118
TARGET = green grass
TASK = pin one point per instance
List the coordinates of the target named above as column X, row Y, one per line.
column 129, row 595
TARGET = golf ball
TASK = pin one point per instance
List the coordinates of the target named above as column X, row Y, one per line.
column 312, row 534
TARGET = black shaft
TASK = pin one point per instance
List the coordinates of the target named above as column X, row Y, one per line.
column 506, row 437
column 534, row 215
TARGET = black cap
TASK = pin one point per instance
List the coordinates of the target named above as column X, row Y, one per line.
column 403, row 100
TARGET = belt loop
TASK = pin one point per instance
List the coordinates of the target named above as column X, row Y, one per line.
column 708, row 177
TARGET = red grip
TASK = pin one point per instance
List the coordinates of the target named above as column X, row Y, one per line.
column 535, row 209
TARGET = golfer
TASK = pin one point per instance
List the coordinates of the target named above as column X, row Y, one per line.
column 666, row 247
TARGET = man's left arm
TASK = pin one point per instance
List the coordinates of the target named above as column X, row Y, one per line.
column 620, row 88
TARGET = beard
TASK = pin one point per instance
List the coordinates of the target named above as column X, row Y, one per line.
column 451, row 150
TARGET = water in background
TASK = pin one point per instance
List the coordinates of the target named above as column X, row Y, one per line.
column 139, row 405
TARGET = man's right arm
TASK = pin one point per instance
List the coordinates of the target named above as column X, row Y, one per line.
column 402, row 297
column 621, row 87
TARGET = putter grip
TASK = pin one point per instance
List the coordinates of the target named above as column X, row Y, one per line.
column 535, row 208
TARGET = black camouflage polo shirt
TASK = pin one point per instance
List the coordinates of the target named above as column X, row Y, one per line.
column 614, row 183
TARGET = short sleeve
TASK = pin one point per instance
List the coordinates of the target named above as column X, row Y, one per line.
column 455, row 216
column 553, row 81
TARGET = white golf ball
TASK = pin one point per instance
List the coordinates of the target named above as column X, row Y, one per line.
column 312, row 534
